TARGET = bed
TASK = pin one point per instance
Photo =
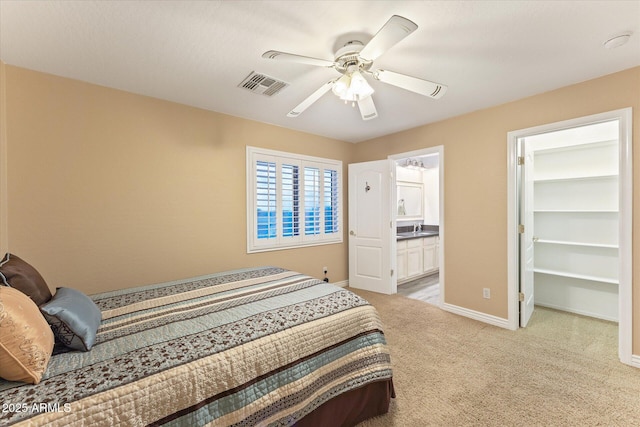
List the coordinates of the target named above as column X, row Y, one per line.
column 256, row 346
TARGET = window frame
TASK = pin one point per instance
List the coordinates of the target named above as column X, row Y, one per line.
column 282, row 241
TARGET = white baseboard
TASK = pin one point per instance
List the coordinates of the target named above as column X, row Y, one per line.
column 342, row 284
column 476, row 315
column 580, row 312
column 635, row 361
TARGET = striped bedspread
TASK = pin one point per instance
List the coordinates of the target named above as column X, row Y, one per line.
column 258, row 346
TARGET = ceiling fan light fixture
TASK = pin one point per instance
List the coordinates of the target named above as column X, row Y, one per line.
column 360, row 85
column 341, row 87
column 352, row 87
column 357, row 81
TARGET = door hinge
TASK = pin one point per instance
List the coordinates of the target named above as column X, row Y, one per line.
column 520, row 228
column 521, row 296
column 392, row 272
column 520, row 160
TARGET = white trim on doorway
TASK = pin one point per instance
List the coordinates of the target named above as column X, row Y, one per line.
column 625, row 325
column 439, row 150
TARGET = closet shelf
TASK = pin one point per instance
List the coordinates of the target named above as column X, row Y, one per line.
column 576, row 178
column 576, row 211
column 571, row 243
column 576, row 276
column 578, row 147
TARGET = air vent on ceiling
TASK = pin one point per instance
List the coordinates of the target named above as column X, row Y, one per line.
column 262, row 84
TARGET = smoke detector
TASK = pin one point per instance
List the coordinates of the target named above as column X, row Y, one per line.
column 618, row 40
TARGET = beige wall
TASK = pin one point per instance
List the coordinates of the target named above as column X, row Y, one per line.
column 475, row 159
column 109, row 189
column 3, row 161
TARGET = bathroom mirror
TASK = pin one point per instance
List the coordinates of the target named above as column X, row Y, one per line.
column 410, row 200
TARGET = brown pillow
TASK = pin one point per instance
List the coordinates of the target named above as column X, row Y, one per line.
column 17, row 274
column 26, row 339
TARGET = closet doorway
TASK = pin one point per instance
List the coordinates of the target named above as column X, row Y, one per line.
column 570, row 220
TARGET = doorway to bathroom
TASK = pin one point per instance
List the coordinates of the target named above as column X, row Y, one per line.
column 419, row 226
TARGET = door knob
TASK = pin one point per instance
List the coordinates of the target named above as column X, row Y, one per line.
column 352, row 233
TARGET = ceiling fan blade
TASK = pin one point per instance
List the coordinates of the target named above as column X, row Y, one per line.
column 311, row 99
column 290, row 57
column 413, row 84
column 395, row 29
column 367, row 108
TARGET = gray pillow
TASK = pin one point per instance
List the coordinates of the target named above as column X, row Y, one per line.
column 73, row 317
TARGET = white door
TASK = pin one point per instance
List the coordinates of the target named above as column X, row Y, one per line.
column 372, row 236
column 526, row 238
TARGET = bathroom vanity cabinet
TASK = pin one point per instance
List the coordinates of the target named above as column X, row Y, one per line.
column 417, row 257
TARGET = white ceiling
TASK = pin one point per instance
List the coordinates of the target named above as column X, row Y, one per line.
column 197, row 52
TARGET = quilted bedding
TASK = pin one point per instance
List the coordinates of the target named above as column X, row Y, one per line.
column 258, row 346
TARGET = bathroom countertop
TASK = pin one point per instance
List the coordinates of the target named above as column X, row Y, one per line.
column 416, row 235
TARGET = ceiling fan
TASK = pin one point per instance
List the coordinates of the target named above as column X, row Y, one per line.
column 355, row 59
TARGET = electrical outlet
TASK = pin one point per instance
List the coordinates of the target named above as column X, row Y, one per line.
column 486, row 293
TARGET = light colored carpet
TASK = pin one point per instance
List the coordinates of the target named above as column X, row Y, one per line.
column 449, row 370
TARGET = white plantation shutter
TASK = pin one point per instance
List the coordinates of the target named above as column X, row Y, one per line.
column 331, row 209
column 311, row 201
column 266, row 199
column 292, row 200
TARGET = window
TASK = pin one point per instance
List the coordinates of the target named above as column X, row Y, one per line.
column 292, row 200
column 266, row 199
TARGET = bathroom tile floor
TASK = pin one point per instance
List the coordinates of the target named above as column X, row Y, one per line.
column 424, row 289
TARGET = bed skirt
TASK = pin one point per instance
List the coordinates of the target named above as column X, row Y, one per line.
column 352, row 407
